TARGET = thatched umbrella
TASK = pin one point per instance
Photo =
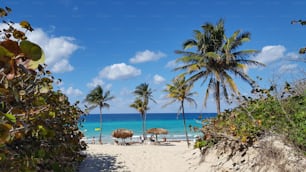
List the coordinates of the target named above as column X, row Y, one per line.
column 157, row 131
column 122, row 133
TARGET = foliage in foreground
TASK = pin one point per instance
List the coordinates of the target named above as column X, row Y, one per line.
column 269, row 112
column 38, row 126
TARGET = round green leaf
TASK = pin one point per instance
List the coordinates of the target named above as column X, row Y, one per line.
column 34, row 64
column 31, row 50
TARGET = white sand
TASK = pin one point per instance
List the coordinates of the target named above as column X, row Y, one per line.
column 174, row 156
column 267, row 154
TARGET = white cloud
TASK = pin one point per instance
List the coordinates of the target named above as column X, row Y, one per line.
column 270, row 54
column 146, row 56
column 98, row 81
column 171, row 64
column 287, row 68
column 57, row 49
column 61, row 66
column 72, row 92
column 119, row 71
column 157, row 79
column 293, row 56
column 95, row 82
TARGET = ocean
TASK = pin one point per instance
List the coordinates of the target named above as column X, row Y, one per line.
column 132, row 121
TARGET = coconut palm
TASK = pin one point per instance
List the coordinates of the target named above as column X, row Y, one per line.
column 141, row 107
column 98, row 98
column 180, row 91
column 216, row 59
column 144, row 93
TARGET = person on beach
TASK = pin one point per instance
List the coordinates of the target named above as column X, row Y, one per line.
column 165, row 139
column 141, row 139
column 93, row 140
column 152, row 138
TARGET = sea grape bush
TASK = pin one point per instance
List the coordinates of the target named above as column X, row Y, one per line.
column 39, row 128
column 266, row 111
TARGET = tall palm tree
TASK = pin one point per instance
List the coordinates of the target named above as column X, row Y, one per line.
column 216, row 59
column 141, row 107
column 98, row 98
column 144, row 93
column 180, row 91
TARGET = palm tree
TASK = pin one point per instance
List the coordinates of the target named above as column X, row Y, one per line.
column 97, row 98
column 215, row 59
column 144, row 93
column 141, row 107
column 180, row 91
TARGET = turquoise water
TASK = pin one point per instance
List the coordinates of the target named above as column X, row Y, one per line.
column 170, row 121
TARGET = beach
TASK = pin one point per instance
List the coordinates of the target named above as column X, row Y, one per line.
column 148, row 157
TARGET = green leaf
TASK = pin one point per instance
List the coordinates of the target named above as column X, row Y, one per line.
column 2, row 12
column 42, row 130
column 31, row 50
column 34, row 64
column 52, row 114
column 41, row 153
column 11, row 117
column 5, row 52
column 26, row 25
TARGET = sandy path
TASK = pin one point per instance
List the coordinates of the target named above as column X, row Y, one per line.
column 138, row 158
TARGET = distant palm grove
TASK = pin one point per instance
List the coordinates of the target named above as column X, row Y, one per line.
column 40, row 128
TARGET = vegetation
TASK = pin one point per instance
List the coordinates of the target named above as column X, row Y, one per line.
column 215, row 59
column 180, row 91
column 143, row 94
column 139, row 105
column 267, row 111
column 97, row 98
column 38, row 126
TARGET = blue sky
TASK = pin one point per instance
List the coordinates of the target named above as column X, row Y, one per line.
column 120, row 44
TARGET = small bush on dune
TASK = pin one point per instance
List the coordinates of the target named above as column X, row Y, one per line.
column 281, row 114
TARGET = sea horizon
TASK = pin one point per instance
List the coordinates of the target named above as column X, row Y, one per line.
column 132, row 121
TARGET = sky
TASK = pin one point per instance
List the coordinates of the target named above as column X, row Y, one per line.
column 120, row 44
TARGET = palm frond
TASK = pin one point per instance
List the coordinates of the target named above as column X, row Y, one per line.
column 189, row 44
column 250, row 62
column 229, row 80
column 225, row 93
column 215, row 58
column 242, row 54
column 209, row 87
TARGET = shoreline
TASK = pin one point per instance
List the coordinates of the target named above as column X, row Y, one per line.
column 136, row 139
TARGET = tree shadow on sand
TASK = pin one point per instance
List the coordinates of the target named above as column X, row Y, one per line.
column 100, row 163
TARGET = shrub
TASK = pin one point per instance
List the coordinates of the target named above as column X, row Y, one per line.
column 38, row 125
column 265, row 112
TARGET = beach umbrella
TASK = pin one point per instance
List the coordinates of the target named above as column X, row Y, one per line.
column 157, row 131
column 122, row 133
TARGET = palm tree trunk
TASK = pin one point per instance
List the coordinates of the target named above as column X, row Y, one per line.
column 100, row 138
column 143, row 126
column 218, row 97
column 183, row 113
